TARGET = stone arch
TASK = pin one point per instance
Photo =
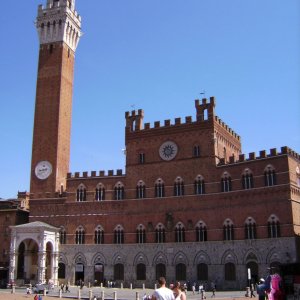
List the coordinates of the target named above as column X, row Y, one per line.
column 252, row 255
column 160, row 258
column 229, row 256
column 273, row 256
column 180, row 258
column 140, row 258
column 202, row 257
column 98, row 258
column 118, row 258
column 63, row 258
column 80, row 258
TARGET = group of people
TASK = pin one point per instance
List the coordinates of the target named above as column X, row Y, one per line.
column 65, row 288
column 164, row 293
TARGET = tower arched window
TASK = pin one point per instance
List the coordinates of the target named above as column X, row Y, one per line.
column 226, row 182
column 119, row 191
column 141, row 234
column 179, row 233
column 228, row 230
column 273, row 227
column 100, row 192
column 199, row 185
column 270, row 176
column 178, row 187
column 119, row 235
column 250, row 229
column 141, row 190
column 81, row 193
column 99, row 235
column 247, row 180
column 62, row 235
column 201, row 232
column 159, row 188
column 80, row 236
column 160, row 234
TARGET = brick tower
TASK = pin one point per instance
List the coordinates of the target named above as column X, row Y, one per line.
column 59, row 31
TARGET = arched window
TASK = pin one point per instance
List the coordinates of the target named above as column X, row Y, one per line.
column 250, row 229
column 81, row 193
column 119, row 191
column 201, row 232
column 247, row 180
column 196, row 151
column 273, row 227
column 100, row 192
column 226, row 182
column 141, row 272
column 228, row 231
column 178, row 187
column 160, row 234
column 202, row 272
column 141, row 234
column 230, row 271
column 270, row 176
column 159, row 188
column 99, row 235
column 80, row 236
column 141, row 190
column 179, row 233
column 119, row 235
column 199, row 185
column 62, row 235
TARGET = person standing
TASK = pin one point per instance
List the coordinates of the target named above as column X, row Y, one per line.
column 252, row 290
column 162, row 293
column 178, row 292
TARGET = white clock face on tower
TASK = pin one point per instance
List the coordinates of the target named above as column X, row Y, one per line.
column 168, row 150
column 43, row 170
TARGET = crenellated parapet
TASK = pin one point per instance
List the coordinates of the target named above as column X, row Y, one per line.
column 262, row 154
column 227, row 128
column 59, row 22
column 93, row 174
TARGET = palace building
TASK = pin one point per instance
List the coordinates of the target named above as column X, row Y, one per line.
column 190, row 205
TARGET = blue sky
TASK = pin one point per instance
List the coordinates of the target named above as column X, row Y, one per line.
column 156, row 55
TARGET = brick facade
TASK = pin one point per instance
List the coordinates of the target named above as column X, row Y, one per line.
column 190, row 205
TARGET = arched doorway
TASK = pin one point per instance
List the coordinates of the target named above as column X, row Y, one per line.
column 253, row 266
column 98, row 274
column 180, row 272
column 79, row 273
column 27, row 261
column 61, row 271
column 160, row 271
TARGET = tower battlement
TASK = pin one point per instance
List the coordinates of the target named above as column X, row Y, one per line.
column 262, row 154
column 204, row 112
column 59, row 21
column 226, row 127
column 110, row 173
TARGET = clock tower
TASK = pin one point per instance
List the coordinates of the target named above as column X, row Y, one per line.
column 59, row 30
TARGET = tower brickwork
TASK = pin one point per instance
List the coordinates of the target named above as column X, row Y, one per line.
column 58, row 26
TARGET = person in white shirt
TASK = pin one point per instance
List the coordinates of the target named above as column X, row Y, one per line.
column 162, row 293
